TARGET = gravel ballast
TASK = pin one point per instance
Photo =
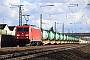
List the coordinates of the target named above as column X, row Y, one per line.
column 82, row 53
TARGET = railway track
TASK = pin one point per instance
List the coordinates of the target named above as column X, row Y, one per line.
column 24, row 55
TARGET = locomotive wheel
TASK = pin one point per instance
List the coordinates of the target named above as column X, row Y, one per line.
column 32, row 44
column 36, row 43
column 21, row 44
column 39, row 43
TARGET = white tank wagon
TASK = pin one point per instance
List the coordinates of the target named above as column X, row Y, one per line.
column 45, row 36
column 62, row 38
column 81, row 41
column 53, row 37
column 69, row 39
column 57, row 38
column 65, row 39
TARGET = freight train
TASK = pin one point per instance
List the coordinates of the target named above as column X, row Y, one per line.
column 28, row 34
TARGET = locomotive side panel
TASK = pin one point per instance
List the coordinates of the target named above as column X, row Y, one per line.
column 35, row 34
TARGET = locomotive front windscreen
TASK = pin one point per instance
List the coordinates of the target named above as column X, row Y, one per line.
column 22, row 29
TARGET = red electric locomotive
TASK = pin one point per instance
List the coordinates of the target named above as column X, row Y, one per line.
column 27, row 34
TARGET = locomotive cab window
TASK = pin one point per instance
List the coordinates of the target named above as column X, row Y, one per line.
column 22, row 29
column 26, row 29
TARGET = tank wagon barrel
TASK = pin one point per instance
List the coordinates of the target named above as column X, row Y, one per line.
column 50, row 37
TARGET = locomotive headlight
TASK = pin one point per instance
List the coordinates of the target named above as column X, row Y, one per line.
column 18, row 34
column 27, row 35
column 17, row 37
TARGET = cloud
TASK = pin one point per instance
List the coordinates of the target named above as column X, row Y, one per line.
column 54, row 1
column 88, row 21
column 78, row 15
column 9, row 14
column 60, row 12
column 46, row 24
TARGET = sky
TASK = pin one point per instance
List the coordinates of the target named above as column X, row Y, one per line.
column 74, row 14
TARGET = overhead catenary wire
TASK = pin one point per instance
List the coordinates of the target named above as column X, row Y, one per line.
column 4, row 5
column 69, row 8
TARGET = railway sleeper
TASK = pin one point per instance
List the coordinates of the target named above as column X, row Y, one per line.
column 35, row 53
column 23, row 53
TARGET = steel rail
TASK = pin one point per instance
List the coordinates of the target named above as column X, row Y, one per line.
column 35, row 53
